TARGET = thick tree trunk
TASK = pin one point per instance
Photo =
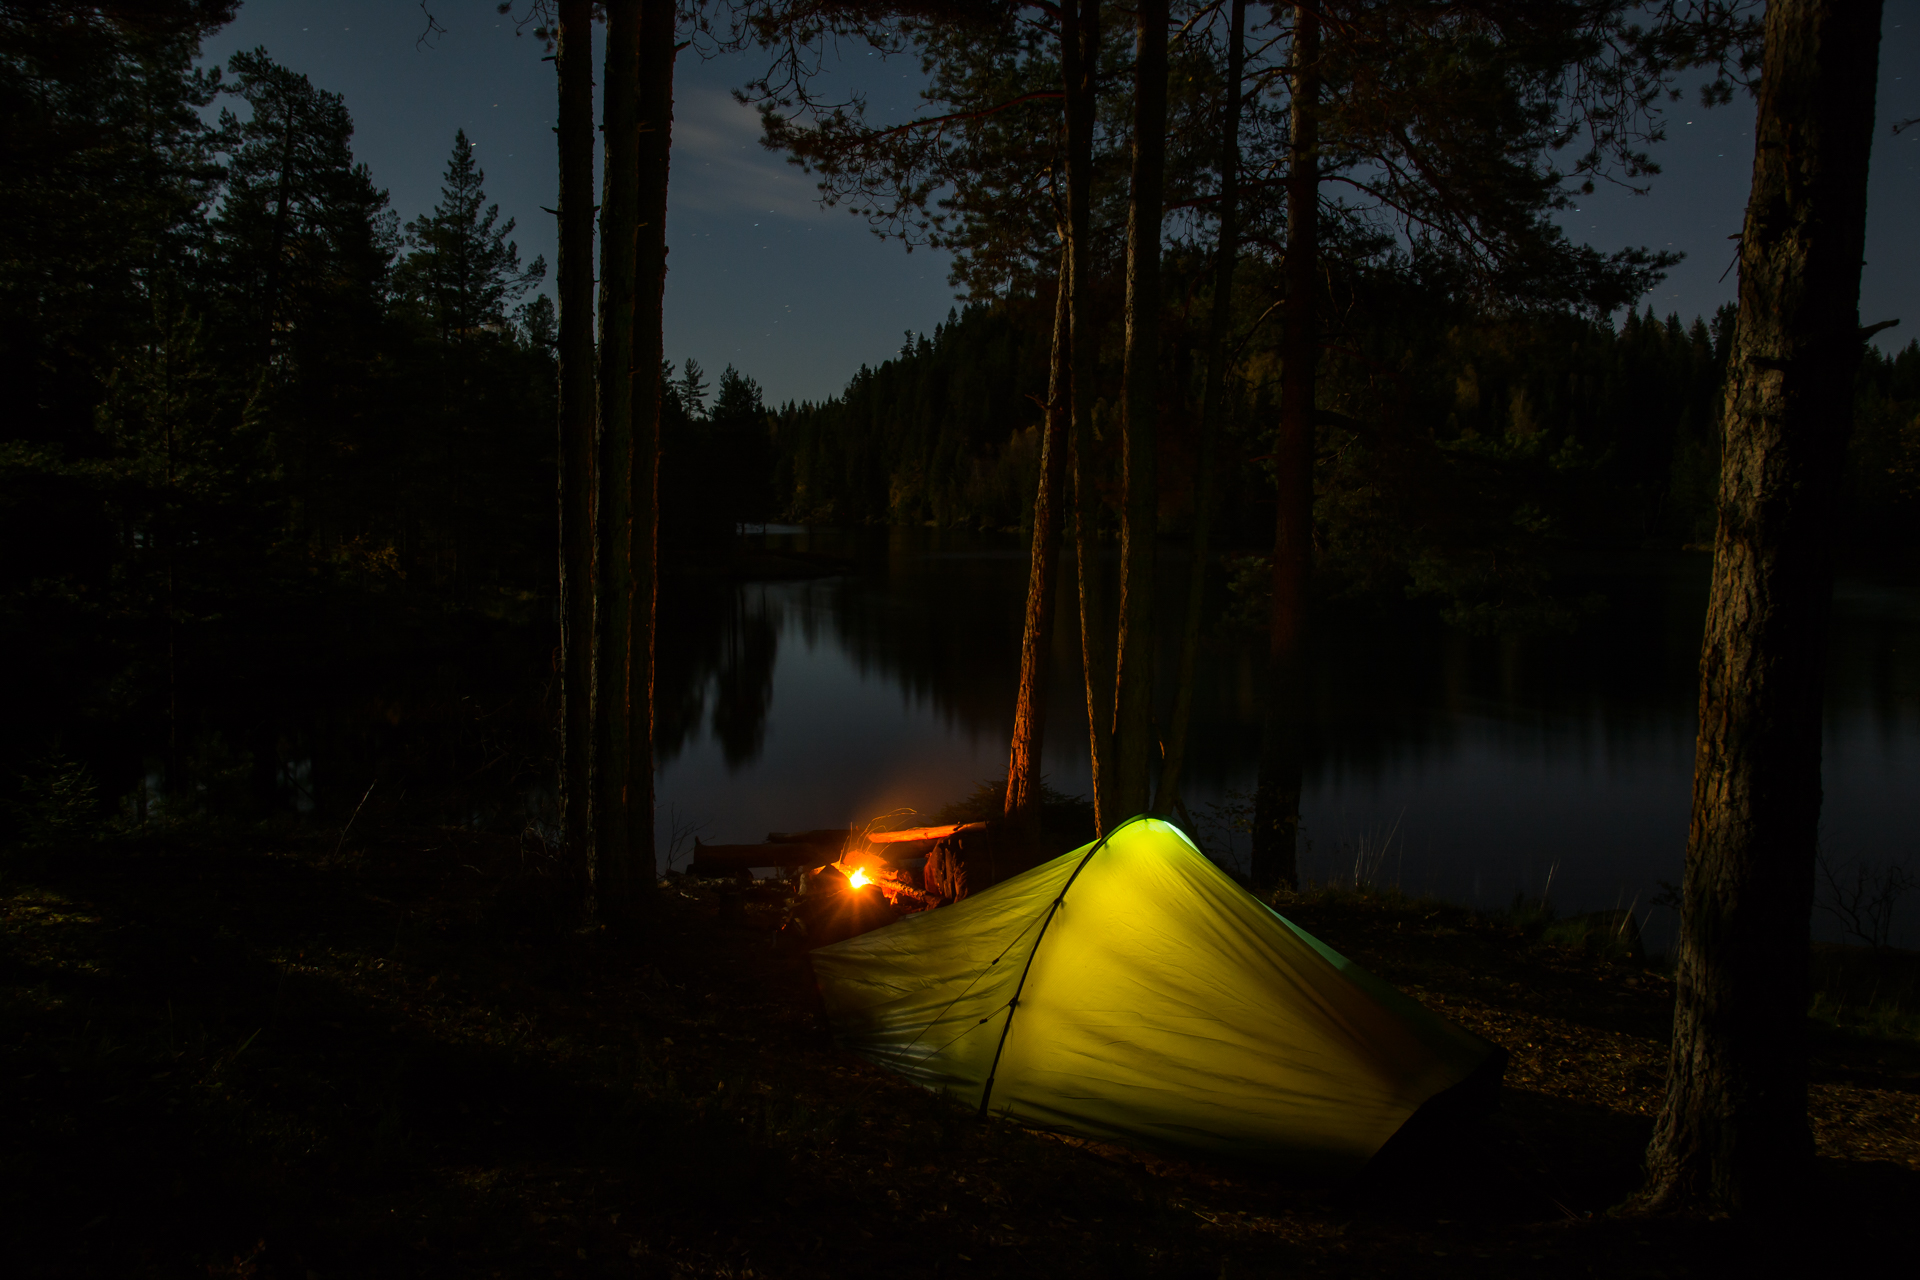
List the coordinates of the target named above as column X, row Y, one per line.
column 574, row 59
column 1080, row 61
column 649, row 350
column 1133, row 654
column 1732, row 1135
column 614, row 594
column 1036, row 633
column 1212, row 405
column 1276, row 803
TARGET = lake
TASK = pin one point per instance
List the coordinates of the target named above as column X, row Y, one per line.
column 1470, row 767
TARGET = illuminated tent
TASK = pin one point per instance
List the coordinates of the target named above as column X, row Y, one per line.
column 1131, row 991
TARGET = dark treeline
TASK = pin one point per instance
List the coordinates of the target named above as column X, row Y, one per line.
column 947, row 433
column 1504, row 438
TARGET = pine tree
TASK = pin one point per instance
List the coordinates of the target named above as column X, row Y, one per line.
column 692, row 387
column 577, row 411
column 300, row 260
column 1732, row 1134
column 301, row 230
column 464, row 271
column 739, row 397
column 457, row 282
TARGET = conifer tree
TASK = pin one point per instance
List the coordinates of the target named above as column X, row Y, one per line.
column 614, row 589
column 300, row 260
column 1732, row 1134
column 458, row 281
column 301, row 225
column 577, row 411
column 1140, row 507
column 692, row 387
column 464, row 272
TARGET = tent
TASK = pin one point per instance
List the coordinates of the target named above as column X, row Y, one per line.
column 1131, row 991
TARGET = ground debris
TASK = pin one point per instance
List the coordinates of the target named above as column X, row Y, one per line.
column 252, row 1058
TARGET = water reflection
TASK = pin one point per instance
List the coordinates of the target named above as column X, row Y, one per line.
column 716, row 652
column 1470, row 767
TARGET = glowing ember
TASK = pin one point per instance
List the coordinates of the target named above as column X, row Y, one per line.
column 858, row 878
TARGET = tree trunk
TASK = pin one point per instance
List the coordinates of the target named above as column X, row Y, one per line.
column 1036, row 634
column 574, row 59
column 1732, row 1135
column 1212, row 404
column 1080, row 61
column 1276, row 803
column 1133, row 654
column 613, row 524
column 649, row 350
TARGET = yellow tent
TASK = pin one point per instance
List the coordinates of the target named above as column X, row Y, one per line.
column 1131, row 991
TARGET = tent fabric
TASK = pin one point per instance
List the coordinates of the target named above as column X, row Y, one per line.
column 1159, row 1004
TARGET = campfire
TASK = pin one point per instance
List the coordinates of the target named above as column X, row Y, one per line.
column 850, row 880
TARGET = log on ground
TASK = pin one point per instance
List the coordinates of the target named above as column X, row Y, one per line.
column 726, row 859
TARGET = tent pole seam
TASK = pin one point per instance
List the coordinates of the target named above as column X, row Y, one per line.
column 963, row 992
column 986, row 1092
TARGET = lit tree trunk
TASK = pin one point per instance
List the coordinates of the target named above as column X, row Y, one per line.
column 1133, row 660
column 1036, row 634
column 1276, row 801
column 655, row 144
column 1212, row 404
column 574, row 58
column 613, row 524
column 1732, row 1135
column 1080, row 60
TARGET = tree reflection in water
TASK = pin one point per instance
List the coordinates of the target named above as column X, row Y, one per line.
column 1485, row 762
column 1491, row 760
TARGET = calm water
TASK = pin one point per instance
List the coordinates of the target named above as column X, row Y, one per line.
column 1472, row 768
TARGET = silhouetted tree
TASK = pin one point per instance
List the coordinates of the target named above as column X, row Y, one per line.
column 459, row 279
column 572, row 34
column 463, row 271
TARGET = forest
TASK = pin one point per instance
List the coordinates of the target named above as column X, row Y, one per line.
column 263, row 422
column 1534, row 435
column 363, row 572
column 253, row 396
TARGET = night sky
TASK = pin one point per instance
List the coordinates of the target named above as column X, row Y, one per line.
column 800, row 297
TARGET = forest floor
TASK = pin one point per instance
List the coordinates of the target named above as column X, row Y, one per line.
column 265, row 1057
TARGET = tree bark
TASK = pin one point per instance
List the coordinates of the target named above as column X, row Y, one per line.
column 1732, row 1134
column 1133, row 654
column 1036, row 633
column 649, row 349
column 573, row 56
column 1276, row 817
column 1212, row 404
column 614, row 594
column 1080, row 62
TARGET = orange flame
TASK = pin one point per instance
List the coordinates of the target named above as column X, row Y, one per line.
column 858, row 878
